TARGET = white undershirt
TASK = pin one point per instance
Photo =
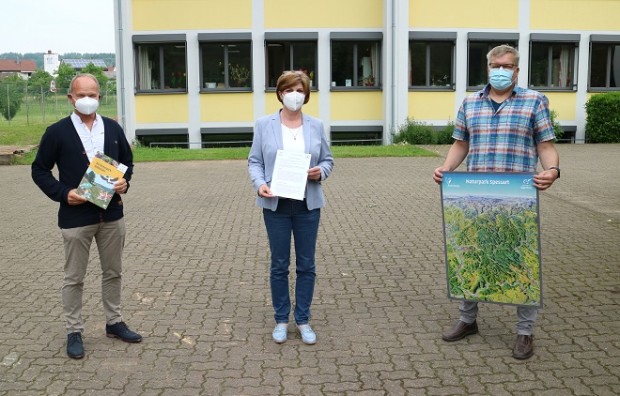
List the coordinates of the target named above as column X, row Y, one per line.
column 92, row 140
column 293, row 138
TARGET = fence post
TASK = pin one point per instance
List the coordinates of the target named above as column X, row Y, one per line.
column 27, row 106
column 8, row 103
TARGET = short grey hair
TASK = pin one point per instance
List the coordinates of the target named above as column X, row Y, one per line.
column 502, row 50
column 88, row 75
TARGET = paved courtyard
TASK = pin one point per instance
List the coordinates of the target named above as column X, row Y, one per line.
column 196, row 287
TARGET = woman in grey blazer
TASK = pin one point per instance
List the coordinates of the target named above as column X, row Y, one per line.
column 291, row 130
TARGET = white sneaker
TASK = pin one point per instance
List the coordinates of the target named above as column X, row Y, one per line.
column 279, row 333
column 308, row 336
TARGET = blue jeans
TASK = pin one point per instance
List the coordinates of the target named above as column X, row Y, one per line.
column 292, row 217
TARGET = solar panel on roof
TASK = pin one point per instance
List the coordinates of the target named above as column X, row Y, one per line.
column 82, row 63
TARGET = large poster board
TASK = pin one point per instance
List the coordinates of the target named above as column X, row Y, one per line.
column 492, row 237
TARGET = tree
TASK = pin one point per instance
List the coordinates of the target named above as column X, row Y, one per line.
column 111, row 87
column 65, row 75
column 97, row 72
column 39, row 83
column 11, row 95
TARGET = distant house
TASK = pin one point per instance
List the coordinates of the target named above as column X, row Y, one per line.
column 23, row 68
column 110, row 72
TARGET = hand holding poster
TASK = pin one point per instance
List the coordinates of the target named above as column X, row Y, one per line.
column 492, row 237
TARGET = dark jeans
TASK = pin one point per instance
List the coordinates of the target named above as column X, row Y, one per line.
column 292, row 217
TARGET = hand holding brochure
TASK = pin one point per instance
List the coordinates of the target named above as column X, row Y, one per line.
column 290, row 174
column 97, row 185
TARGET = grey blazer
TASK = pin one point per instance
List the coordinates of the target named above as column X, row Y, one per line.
column 268, row 140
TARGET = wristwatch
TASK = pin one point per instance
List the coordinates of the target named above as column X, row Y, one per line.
column 556, row 168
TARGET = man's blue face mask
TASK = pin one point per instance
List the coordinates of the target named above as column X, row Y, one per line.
column 500, row 78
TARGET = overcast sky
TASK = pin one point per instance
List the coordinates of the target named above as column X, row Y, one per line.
column 58, row 25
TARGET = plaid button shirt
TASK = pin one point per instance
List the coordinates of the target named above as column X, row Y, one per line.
column 504, row 140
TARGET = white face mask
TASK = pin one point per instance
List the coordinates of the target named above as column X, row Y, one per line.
column 87, row 105
column 293, row 100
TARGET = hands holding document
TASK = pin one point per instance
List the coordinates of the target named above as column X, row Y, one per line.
column 290, row 175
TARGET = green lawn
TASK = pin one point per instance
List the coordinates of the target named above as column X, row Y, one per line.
column 26, row 128
column 144, row 154
column 34, row 117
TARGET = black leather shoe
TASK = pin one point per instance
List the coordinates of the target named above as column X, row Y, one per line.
column 120, row 330
column 460, row 331
column 75, row 347
column 524, row 347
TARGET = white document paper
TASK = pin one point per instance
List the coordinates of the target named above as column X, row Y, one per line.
column 290, row 174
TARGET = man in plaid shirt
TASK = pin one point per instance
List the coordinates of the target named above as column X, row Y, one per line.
column 503, row 128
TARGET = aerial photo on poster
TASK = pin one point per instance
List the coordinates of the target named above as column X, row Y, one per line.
column 492, row 237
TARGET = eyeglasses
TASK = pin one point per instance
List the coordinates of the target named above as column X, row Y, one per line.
column 508, row 66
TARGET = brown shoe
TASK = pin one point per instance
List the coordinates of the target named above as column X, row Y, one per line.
column 524, row 347
column 460, row 331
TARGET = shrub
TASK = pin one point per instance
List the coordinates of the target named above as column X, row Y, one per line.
column 444, row 136
column 603, row 118
column 416, row 132
column 557, row 128
column 11, row 96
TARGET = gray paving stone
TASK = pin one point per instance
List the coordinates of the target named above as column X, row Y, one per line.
column 196, row 287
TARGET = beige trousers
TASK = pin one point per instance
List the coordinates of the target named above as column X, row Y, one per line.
column 110, row 238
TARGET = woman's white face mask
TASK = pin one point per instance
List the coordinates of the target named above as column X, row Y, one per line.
column 293, row 100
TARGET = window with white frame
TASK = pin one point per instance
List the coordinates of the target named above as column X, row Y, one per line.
column 431, row 60
column 356, row 60
column 226, row 61
column 604, row 63
column 161, row 63
column 478, row 46
column 291, row 51
column 553, row 60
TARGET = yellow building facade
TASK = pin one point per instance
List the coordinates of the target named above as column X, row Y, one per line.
column 198, row 73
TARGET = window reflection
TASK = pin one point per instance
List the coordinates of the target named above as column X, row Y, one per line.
column 430, row 64
column 291, row 55
column 552, row 65
column 226, row 65
column 161, row 66
column 605, row 65
column 356, row 64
